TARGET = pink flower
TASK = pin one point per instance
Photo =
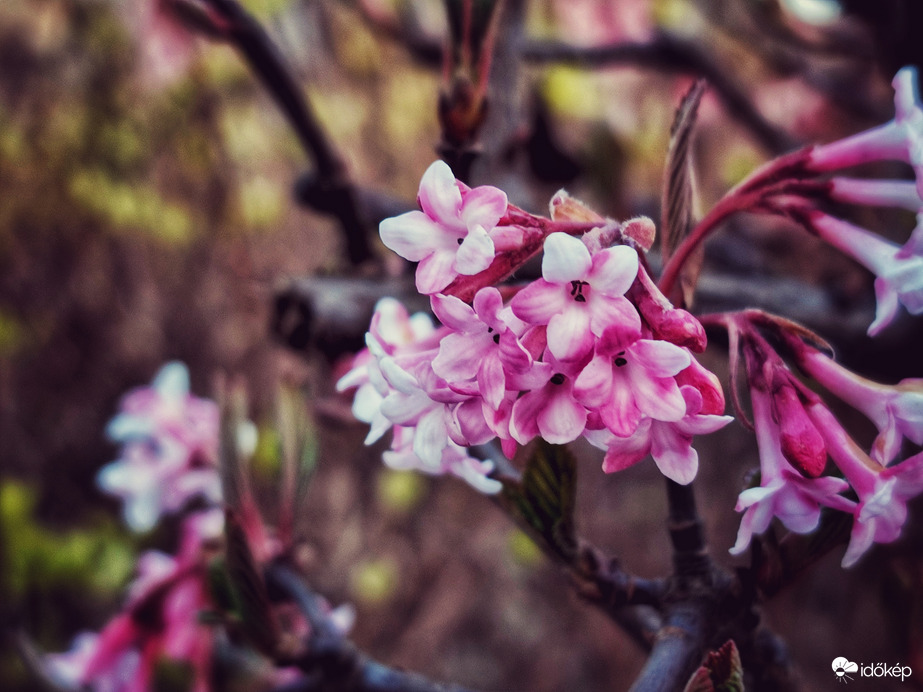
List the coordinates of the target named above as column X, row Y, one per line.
column 451, row 236
column 897, row 410
column 166, row 409
column 783, row 492
column 392, row 331
column 899, row 277
column 550, row 411
column 579, row 295
column 883, row 491
column 630, row 377
column 670, row 443
column 900, row 140
column 482, row 356
column 453, row 459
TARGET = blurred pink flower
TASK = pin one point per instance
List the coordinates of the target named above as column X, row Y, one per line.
column 900, row 139
column 899, row 278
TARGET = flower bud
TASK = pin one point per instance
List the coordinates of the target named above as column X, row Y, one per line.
column 666, row 322
column 802, row 444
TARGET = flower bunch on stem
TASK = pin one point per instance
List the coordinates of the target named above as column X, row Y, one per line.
column 591, row 349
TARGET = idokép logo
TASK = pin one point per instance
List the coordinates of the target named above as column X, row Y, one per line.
column 845, row 670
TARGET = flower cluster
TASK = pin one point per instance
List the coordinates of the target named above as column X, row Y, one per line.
column 169, row 449
column 590, row 349
column 898, row 269
column 797, row 433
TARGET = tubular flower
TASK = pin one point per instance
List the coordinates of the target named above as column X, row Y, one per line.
column 900, row 139
column 883, row 491
column 899, row 277
column 783, row 492
column 452, row 233
column 896, row 410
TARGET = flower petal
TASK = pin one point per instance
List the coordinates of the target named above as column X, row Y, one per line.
column 439, row 196
column 412, row 235
column 483, row 206
column 569, row 335
column 566, row 259
column 538, row 302
column 475, row 253
column 614, row 270
column 435, row 272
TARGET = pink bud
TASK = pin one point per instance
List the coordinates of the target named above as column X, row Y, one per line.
column 708, row 385
column 802, row 444
column 666, row 322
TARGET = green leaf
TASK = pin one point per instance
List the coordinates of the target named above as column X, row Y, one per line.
column 678, row 188
column 543, row 500
column 721, row 672
column 248, row 588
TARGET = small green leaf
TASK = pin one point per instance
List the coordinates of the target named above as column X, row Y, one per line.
column 543, row 500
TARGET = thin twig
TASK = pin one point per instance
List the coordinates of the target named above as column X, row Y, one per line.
column 331, row 660
column 329, row 190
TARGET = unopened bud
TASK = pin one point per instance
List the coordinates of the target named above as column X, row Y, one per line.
column 802, row 444
column 642, row 230
column 666, row 322
column 708, row 385
column 563, row 207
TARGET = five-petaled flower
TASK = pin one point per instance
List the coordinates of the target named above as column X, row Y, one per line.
column 579, row 295
column 452, row 233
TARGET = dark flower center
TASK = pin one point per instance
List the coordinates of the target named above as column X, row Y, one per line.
column 557, row 379
column 619, row 360
column 576, row 290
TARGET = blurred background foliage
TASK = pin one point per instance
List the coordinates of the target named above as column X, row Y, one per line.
column 146, row 214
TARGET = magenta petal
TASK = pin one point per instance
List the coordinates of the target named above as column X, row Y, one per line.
column 514, row 356
column 524, row 419
column 614, row 270
column 620, row 413
column 492, row 380
column 435, row 272
column 563, row 419
column 487, row 304
column 593, row 385
column 674, row 454
column 566, row 259
column 658, row 397
column 439, row 195
column 453, row 312
column 458, row 359
column 888, row 303
column 412, row 235
column 484, row 206
column 569, row 336
column 538, row 302
column 614, row 312
column 660, row 358
column 469, row 417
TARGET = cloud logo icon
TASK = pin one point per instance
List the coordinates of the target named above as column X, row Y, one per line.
column 842, row 666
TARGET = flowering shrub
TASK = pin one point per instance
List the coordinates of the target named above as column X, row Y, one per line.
column 595, row 349
column 504, row 370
